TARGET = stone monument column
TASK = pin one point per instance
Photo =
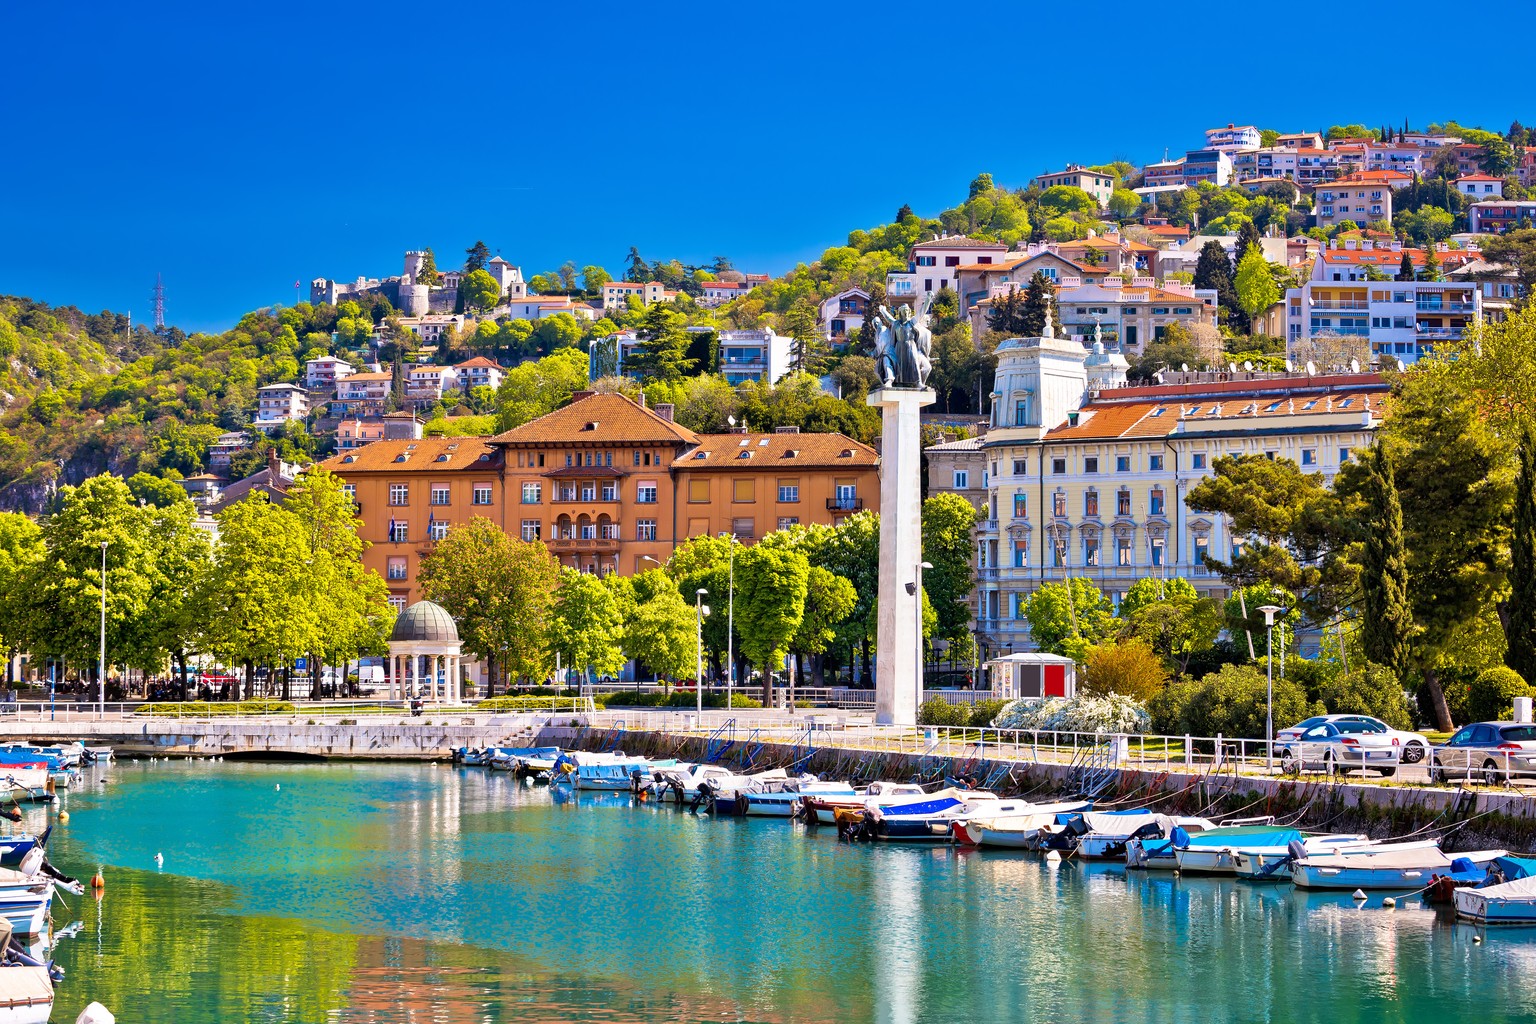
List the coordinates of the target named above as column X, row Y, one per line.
column 897, row 670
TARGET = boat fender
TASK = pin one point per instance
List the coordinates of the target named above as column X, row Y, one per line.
column 95, row 1014
column 1358, row 894
column 63, row 817
column 1053, row 857
column 1389, row 902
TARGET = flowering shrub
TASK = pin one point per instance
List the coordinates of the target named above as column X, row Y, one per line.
column 1109, row 714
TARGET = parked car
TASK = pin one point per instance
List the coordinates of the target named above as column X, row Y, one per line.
column 1415, row 745
column 1492, row 751
column 1340, row 746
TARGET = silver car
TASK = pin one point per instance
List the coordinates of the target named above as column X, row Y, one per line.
column 1341, row 746
column 1415, row 745
column 1491, row 751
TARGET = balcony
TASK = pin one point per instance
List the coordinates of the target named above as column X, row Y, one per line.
column 1359, row 304
column 583, row 545
column 987, row 526
column 1443, row 307
column 1343, row 332
column 987, row 573
column 1441, row 333
column 845, row 504
column 594, row 498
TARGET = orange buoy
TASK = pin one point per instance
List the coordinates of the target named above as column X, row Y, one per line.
column 97, row 882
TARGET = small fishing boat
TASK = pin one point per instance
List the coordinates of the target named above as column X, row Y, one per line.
column 696, row 783
column 1015, row 831
column 780, row 800
column 1109, row 831
column 824, row 809
column 1214, row 851
column 14, row 848
column 25, row 782
column 1506, row 896
column 1259, row 864
column 26, row 994
column 617, row 776
column 932, row 818
column 510, row 759
column 1394, row 869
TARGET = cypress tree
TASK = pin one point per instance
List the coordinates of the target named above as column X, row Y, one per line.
column 1405, row 272
column 1520, row 620
column 1387, row 627
column 1040, row 295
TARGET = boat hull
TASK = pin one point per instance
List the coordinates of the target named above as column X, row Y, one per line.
column 26, row 995
column 1473, row 905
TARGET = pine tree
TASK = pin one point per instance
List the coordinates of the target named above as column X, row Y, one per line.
column 1431, row 263
column 1007, row 314
column 662, row 353
column 1405, row 272
column 1387, row 627
column 1214, row 270
column 1040, row 296
column 803, row 325
column 1520, row 621
column 429, row 274
column 476, row 257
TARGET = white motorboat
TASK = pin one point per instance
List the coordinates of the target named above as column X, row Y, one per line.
column 1511, row 902
column 1108, row 832
column 932, row 817
column 21, row 782
column 1018, row 831
column 692, row 781
column 26, row 994
column 1394, row 869
column 779, row 800
column 879, row 794
column 617, row 776
column 1256, row 863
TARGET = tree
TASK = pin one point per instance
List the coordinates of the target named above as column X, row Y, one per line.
column 1405, row 269
column 1232, row 702
column 1370, row 690
column 802, row 323
column 1387, row 627
column 593, row 278
column 663, row 350
column 182, row 555
column 21, row 548
column 1492, row 694
column 479, row 290
column 1129, row 668
column 1171, row 617
column 156, row 490
column 556, row 332
column 1124, row 204
column 1431, row 264
column 948, row 521
column 1069, row 618
column 1426, row 226
column 1516, row 251
column 1254, row 285
column 829, row 600
column 428, row 274
column 636, row 269
column 1060, row 200
column 476, row 257
column 771, row 588
column 1497, row 158
column 1520, row 615
column 1006, row 315
column 1213, row 270
column 1040, row 297
column 661, row 632
column 586, row 624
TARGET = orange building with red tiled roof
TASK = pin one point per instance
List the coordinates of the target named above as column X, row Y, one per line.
column 604, row 482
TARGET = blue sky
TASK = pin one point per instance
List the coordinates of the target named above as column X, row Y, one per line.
column 238, row 148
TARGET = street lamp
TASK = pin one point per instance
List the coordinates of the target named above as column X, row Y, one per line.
column 920, row 567
column 101, row 664
column 1270, row 611
column 730, row 622
column 700, row 609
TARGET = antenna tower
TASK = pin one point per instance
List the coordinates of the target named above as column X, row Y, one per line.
column 158, row 297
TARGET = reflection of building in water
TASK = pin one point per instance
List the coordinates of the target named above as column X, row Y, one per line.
column 899, row 948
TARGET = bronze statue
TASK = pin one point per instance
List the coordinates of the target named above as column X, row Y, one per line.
column 903, row 347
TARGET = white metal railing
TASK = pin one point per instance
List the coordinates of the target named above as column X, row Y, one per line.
column 301, row 711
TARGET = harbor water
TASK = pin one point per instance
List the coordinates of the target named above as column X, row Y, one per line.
column 383, row 893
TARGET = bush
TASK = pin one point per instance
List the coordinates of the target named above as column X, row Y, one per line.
column 1373, row 690
column 1131, row 669
column 679, row 699
column 205, row 709
column 1113, row 714
column 1231, row 702
column 1492, row 694
column 985, row 712
column 937, row 711
column 497, row 704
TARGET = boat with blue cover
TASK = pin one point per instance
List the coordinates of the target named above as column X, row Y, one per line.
column 1214, row 851
column 1507, row 895
column 615, row 776
column 782, row 800
column 1394, row 869
column 932, row 818
column 1110, row 831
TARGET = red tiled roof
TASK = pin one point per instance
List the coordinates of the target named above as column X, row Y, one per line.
column 463, row 453
column 959, row 242
column 614, row 419
column 769, row 452
column 478, row 363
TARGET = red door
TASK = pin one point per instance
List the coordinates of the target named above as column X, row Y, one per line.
column 1055, row 680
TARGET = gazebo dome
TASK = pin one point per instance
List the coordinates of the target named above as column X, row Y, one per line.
column 425, row 622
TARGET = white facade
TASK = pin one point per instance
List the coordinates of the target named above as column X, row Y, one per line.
column 536, row 307
column 1480, row 186
column 430, row 381
column 843, row 314
column 1233, row 138
column 932, row 266
column 754, row 355
column 616, row 293
column 326, row 371
column 364, row 387
column 510, row 278
column 1096, row 183
column 717, row 293
column 479, row 372
column 278, row 403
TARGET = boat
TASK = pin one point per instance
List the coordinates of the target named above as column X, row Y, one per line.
column 696, row 783
column 1268, row 864
column 1394, row 869
column 932, row 818
column 615, row 776
column 824, row 809
column 1015, row 831
column 1506, row 896
column 1213, row 852
column 15, row 847
column 1109, row 831
column 507, row 759
column 781, row 800
column 25, row 782
column 26, row 994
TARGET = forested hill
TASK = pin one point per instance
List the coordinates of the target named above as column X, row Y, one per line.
column 82, row 393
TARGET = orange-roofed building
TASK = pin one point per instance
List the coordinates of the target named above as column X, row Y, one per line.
column 606, row 483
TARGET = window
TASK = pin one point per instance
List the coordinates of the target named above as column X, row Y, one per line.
column 1020, row 413
column 1091, row 504
column 1020, row 505
column 1122, row 551
column 1197, row 460
column 637, row 458
column 744, row 490
column 1309, row 456
column 1155, row 463
column 744, row 528
column 1122, row 463
column 531, row 529
column 1090, row 465
column 1090, row 551
column 439, row 494
column 1122, row 503
column 399, row 494
column 481, row 495
column 1157, row 551
column 1058, row 466
column 1343, row 456
column 645, row 529
column 1156, row 503
column 789, row 491
column 1202, row 550
column 1018, row 554
column 645, row 493
column 1020, row 467
column 399, row 531
column 698, row 490
column 785, row 522
column 962, row 480
column 532, row 493
column 397, row 603
column 1059, row 505
column 350, row 490
column 437, row 529
column 397, row 568
column 610, row 492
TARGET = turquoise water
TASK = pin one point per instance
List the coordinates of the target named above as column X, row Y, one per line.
column 373, row 893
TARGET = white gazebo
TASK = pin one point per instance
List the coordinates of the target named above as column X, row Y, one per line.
column 424, row 654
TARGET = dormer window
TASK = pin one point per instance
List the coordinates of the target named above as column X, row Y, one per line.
column 847, row 453
column 590, row 425
column 350, row 458
column 701, row 455
column 744, row 455
column 402, row 457
column 441, row 458
column 791, row 453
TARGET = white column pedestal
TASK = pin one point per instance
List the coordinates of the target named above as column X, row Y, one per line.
column 897, row 672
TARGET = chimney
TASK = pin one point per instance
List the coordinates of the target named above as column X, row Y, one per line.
column 579, row 395
column 273, row 465
column 786, row 430
column 641, row 400
column 665, row 410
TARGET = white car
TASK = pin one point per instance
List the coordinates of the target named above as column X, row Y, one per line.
column 1415, row 747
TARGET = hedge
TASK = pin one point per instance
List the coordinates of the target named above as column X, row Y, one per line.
column 677, row 699
column 525, row 703
column 205, row 709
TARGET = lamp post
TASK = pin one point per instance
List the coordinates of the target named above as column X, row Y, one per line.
column 1269, row 611
column 700, row 609
column 920, row 567
column 101, row 664
column 730, row 621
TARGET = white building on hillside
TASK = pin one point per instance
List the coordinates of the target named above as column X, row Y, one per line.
column 932, row 266
column 277, row 404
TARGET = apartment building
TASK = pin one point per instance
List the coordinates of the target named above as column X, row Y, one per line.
column 427, row 382
column 617, row 293
column 1480, row 186
column 478, row 372
column 1355, row 291
column 1096, row 183
column 754, row 354
column 325, row 371
column 277, row 404
column 607, row 484
column 843, row 314
column 933, row 265
column 1498, row 216
column 1233, row 138
column 1361, row 199
column 1089, row 479
column 1212, row 165
column 718, row 293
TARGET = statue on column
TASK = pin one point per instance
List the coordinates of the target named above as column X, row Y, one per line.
column 903, row 347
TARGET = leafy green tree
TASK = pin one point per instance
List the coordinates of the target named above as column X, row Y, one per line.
column 981, row 185
column 556, row 332
column 479, row 290
column 1070, row 618
column 1254, row 285
column 662, row 631
column 586, row 625
column 1124, row 204
column 1520, row 614
column 1426, row 226
column 1060, row 200
column 1372, row 690
column 529, row 390
column 770, row 605
column 593, row 278
column 829, row 600
column 21, row 549
column 476, row 257
column 1214, row 270
column 1497, row 158
column 803, row 325
column 1171, row 617
column 662, row 353
column 1130, row 668
column 1231, row 702
column 948, row 521
column 1387, row 628
column 1493, row 692
column 636, row 269
column 156, row 490
column 1246, row 625
column 428, row 274
column 1516, row 251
